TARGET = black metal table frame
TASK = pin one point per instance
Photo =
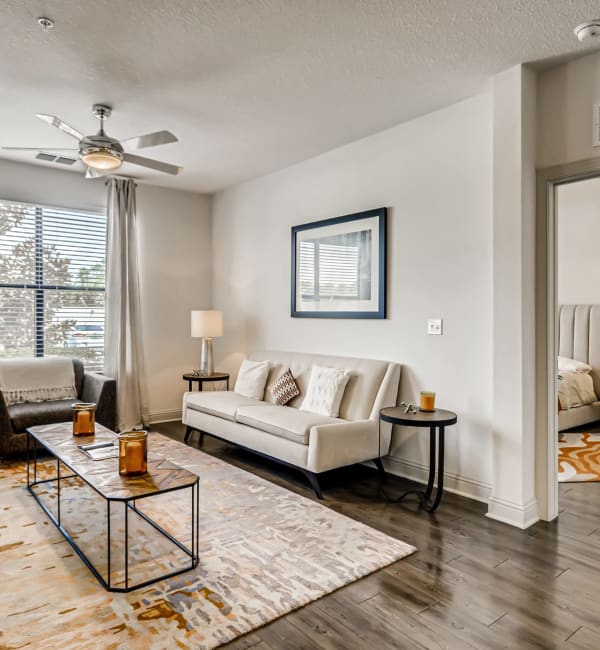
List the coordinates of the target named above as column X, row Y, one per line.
column 434, row 468
column 190, row 378
column 129, row 504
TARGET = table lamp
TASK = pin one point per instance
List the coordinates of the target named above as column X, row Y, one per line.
column 207, row 324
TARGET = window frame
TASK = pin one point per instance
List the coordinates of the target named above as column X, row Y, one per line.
column 38, row 286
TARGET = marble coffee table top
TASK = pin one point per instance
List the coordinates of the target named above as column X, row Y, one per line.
column 103, row 475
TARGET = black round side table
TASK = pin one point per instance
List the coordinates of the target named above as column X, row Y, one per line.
column 216, row 376
column 434, row 420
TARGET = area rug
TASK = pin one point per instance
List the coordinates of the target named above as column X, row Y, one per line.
column 264, row 551
column 578, row 457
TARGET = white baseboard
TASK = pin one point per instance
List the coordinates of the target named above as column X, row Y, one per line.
column 514, row 514
column 461, row 485
column 164, row 416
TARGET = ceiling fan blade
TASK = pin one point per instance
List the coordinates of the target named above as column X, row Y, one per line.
column 95, row 173
column 38, row 149
column 59, row 124
column 152, row 164
column 149, row 140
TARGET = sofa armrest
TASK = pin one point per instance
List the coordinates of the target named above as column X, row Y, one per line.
column 343, row 443
column 5, row 425
column 103, row 391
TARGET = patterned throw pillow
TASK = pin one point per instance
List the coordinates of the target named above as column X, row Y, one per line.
column 284, row 388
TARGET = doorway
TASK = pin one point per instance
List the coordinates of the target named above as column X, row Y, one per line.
column 565, row 307
column 578, row 318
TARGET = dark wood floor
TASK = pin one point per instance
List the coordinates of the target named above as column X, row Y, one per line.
column 474, row 583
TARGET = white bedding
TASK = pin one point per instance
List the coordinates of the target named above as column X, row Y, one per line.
column 575, row 389
column 571, row 365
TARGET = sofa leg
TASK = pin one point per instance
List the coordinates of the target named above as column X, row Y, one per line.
column 313, row 479
column 380, row 469
column 188, row 433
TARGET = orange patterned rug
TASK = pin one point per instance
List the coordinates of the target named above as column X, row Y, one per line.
column 264, row 551
column 578, row 457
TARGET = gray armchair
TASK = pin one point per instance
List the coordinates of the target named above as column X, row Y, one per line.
column 91, row 387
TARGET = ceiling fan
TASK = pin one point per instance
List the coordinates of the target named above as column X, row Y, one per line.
column 103, row 154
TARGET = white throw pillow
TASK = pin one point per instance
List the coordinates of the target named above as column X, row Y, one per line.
column 570, row 365
column 325, row 391
column 251, row 379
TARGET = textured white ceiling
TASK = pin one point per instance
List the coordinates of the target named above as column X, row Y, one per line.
column 250, row 86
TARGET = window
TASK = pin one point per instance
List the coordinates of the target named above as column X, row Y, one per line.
column 52, row 268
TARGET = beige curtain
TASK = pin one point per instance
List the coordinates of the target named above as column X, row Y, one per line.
column 123, row 350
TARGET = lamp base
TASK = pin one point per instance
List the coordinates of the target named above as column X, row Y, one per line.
column 207, row 366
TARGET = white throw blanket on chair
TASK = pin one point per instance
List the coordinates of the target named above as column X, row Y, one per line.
column 37, row 380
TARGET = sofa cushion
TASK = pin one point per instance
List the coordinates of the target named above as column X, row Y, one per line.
column 30, row 414
column 251, row 379
column 284, row 388
column 366, row 377
column 221, row 403
column 283, row 421
column 325, row 391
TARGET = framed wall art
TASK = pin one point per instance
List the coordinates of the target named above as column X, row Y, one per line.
column 339, row 267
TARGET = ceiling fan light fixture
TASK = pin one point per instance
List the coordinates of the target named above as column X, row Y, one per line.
column 103, row 154
column 102, row 159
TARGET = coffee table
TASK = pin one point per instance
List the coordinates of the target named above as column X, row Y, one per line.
column 103, row 477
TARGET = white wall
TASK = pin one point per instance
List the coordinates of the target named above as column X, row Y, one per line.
column 578, row 237
column 175, row 277
column 175, row 262
column 566, row 95
column 435, row 176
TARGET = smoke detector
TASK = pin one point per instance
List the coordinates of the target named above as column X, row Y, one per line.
column 589, row 30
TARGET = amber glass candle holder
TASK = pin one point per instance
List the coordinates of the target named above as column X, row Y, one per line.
column 427, row 401
column 84, row 419
column 133, row 453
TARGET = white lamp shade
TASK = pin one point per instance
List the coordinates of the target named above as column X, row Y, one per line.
column 207, row 324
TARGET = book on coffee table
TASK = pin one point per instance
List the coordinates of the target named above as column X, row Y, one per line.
column 100, row 450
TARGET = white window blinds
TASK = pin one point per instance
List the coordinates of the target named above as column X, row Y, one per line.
column 52, row 268
column 328, row 270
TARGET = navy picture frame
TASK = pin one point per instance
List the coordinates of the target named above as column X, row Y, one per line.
column 381, row 311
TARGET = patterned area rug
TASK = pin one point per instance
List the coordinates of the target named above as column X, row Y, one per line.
column 264, row 551
column 578, row 457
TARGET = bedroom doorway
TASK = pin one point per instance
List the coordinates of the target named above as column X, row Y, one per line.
column 568, row 317
column 578, row 319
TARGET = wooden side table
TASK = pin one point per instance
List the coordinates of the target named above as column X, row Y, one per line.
column 434, row 420
column 190, row 377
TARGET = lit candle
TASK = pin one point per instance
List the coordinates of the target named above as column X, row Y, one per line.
column 83, row 422
column 84, row 417
column 133, row 453
column 135, row 458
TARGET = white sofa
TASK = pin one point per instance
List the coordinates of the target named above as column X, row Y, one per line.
column 310, row 442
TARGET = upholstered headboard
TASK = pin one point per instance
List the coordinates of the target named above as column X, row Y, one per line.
column 579, row 336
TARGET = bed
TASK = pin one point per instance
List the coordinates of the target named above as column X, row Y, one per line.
column 579, row 339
